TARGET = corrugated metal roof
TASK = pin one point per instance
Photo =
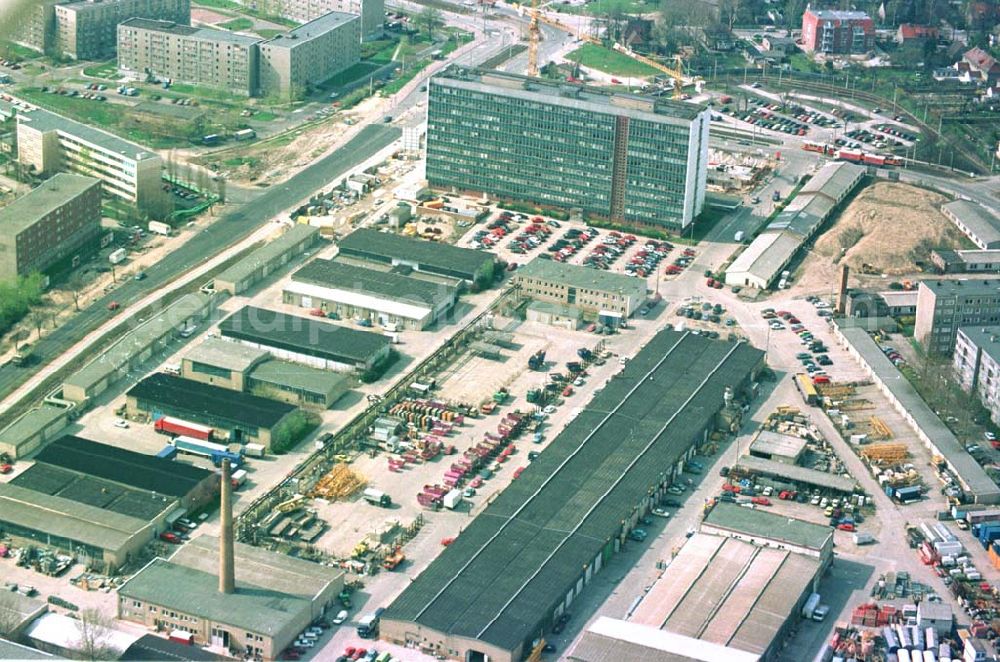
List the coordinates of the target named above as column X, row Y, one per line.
column 498, row 581
column 432, row 256
column 981, row 223
column 268, row 253
column 797, row 474
column 226, row 355
column 766, row 255
column 613, row 640
column 767, row 525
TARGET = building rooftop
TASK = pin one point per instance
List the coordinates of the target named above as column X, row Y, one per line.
column 767, row 525
column 64, row 518
column 986, row 338
column 63, row 633
column 981, row 222
column 267, row 254
column 970, row 473
column 561, row 93
column 50, row 195
column 204, row 34
column 195, row 592
column 797, row 474
column 10, row 650
column 151, row 648
column 299, row 377
column 581, row 277
column 775, row 443
column 430, row 256
column 138, row 470
column 767, row 255
column 30, row 423
column 727, row 592
column 803, row 215
column 259, row 567
column 949, row 287
column 837, row 14
column 897, row 298
column 384, row 284
column 196, row 398
column 226, row 355
column 555, row 309
column 612, row 639
column 15, row 611
column 938, row 611
column 495, row 583
column 977, row 256
column 312, row 30
column 304, row 335
column 116, row 358
column 834, row 180
column 43, row 120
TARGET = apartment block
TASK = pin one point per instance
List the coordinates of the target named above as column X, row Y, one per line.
column 88, row 30
column 214, row 58
column 36, row 26
column 943, row 306
column 977, row 365
column 628, row 158
column 59, row 219
column 837, row 32
column 51, row 143
column 372, row 12
column 310, row 54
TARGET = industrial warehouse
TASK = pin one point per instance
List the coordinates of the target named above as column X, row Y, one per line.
column 518, row 565
column 461, row 264
column 240, row 416
column 591, row 291
column 306, row 340
column 382, row 297
column 266, row 260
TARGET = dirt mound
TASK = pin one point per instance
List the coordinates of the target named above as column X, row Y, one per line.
column 889, row 227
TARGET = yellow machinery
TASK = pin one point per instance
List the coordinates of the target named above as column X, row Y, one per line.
column 292, row 504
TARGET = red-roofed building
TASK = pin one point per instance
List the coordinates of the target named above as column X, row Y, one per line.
column 837, row 32
column 983, row 67
column 908, row 32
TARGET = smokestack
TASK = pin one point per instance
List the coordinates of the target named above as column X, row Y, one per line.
column 842, row 299
column 227, row 580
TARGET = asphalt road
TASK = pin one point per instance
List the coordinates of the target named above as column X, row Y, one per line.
column 226, row 231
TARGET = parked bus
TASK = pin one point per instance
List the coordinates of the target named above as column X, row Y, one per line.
column 806, row 388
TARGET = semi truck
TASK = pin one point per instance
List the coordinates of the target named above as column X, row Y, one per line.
column 215, row 452
column 810, row 606
column 377, row 497
column 167, row 453
column 177, row 427
column 368, row 625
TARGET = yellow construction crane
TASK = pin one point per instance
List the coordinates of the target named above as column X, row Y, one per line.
column 534, row 34
column 677, row 75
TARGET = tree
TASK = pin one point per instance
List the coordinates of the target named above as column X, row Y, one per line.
column 220, row 188
column 95, row 636
column 428, row 20
column 75, row 287
column 728, row 12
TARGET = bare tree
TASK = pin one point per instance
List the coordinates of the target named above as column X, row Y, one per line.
column 38, row 319
column 95, row 636
column 75, row 287
column 428, row 20
column 220, row 188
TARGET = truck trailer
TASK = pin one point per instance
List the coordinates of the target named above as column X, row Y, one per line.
column 177, row 427
column 810, row 606
column 215, row 452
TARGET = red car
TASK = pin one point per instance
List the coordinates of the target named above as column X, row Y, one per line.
column 171, row 538
column 822, row 379
column 316, row 312
column 846, row 526
column 5, row 468
column 760, row 501
column 114, row 305
column 568, row 391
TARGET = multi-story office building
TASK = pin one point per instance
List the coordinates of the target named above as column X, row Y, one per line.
column 60, row 219
column 623, row 157
column 945, row 305
column 52, row 143
column 88, row 30
column 372, row 12
column 592, row 291
column 977, row 365
column 309, row 54
column 215, row 58
column 837, row 32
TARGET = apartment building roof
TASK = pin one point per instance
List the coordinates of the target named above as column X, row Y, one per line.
column 838, row 15
column 582, row 97
column 312, row 30
column 45, row 121
column 986, row 338
column 962, row 286
column 205, row 34
column 45, row 199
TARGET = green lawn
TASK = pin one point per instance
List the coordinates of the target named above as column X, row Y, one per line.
column 264, row 116
column 599, row 7
column 108, row 70
column 16, row 51
column 85, row 110
column 237, row 24
column 269, row 33
column 208, row 93
column 236, row 7
column 609, row 61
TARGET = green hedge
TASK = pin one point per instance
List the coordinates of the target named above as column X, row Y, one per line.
column 526, row 208
column 295, row 429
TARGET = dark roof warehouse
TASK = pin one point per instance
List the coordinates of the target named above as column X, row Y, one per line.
column 429, row 256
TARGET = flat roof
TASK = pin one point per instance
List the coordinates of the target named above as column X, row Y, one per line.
column 195, row 592
column 383, row 284
column 431, row 256
column 268, row 253
column 44, row 199
column 44, row 120
column 314, row 29
column 962, row 286
column 120, row 355
column 612, row 639
column 969, row 471
column 138, row 470
column 986, row 338
column 203, row 34
column 977, row 256
column 226, row 355
column 501, row 577
column 560, row 93
column 555, row 309
column 776, row 443
column 981, row 222
column 766, row 255
column 89, row 490
column 840, row 14
column 30, row 423
column 574, row 275
column 10, row 650
column 255, row 566
column 303, row 335
column 68, row 519
column 205, row 400
column 798, row 474
column 763, row 524
column 299, row 377
column 65, row 633
column 727, row 592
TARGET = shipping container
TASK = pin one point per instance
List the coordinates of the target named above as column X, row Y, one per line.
column 452, row 499
column 176, row 426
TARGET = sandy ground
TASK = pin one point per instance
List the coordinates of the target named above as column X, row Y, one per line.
column 893, row 219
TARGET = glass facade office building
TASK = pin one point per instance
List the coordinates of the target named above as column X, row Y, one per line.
column 622, row 157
